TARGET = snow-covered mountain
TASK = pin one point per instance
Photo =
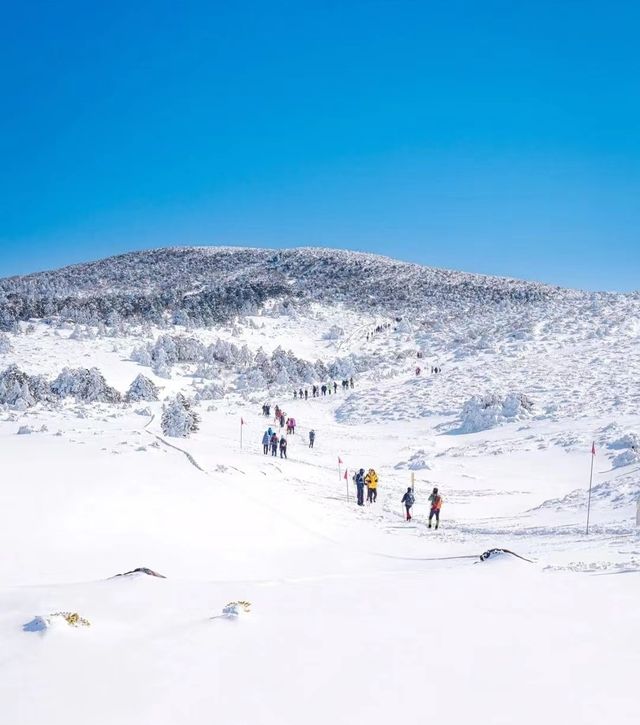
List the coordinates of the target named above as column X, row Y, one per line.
column 208, row 285
column 131, row 428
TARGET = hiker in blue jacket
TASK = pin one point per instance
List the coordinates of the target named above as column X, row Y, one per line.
column 265, row 442
column 408, row 500
column 359, row 481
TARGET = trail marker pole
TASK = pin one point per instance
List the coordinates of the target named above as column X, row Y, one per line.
column 593, row 455
column 241, row 427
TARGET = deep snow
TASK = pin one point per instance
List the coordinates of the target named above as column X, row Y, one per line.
column 356, row 616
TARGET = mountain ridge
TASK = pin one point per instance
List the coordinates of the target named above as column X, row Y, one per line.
column 206, row 285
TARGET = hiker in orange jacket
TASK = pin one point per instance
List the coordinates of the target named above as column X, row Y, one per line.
column 436, row 504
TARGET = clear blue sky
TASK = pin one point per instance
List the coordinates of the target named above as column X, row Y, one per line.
column 497, row 137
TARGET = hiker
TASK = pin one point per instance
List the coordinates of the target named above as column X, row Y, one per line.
column 268, row 410
column 283, row 447
column 358, row 479
column 335, row 387
column 408, row 500
column 436, row 504
column 324, row 389
column 417, row 371
column 351, row 381
column 306, row 394
column 312, row 438
column 371, row 480
column 274, row 444
column 265, row 442
column 300, row 393
column 282, row 420
column 292, row 423
column 295, row 394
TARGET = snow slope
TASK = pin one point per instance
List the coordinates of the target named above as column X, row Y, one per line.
column 356, row 616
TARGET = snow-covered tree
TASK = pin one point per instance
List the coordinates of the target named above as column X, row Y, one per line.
column 142, row 389
column 179, row 419
column 160, row 365
column 20, row 390
column 87, row 386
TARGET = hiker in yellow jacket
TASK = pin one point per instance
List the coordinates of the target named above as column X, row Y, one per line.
column 371, row 479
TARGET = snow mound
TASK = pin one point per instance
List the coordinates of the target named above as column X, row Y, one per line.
column 629, row 447
column 416, row 462
column 626, row 458
column 628, row 440
column 488, row 411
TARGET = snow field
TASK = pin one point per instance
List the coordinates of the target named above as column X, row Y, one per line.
column 356, row 616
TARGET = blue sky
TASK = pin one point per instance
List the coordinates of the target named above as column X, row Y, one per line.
column 495, row 137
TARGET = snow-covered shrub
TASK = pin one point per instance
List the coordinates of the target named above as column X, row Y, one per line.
column 25, row 430
column 142, row 355
column 5, row 343
column 88, row 386
column 251, row 380
column 178, row 418
column 335, row 332
column 20, row 390
column 160, row 365
column 212, row 391
column 81, row 332
column 488, row 411
column 142, row 389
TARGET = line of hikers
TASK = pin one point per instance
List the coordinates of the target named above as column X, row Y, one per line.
column 435, row 500
column 321, row 390
column 380, row 328
column 271, row 442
